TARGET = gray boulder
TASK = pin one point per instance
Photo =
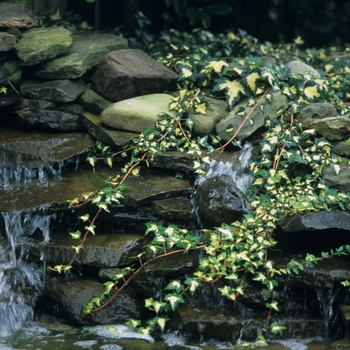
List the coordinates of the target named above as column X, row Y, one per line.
column 318, row 110
column 10, row 73
column 256, row 119
column 85, row 53
column 124, row 74
column 299, row 67
column 40, row 44
column 340, row 181
column 7, row 41
column 56, row 90
column 17, row 15
column 138, row 113
column 93, row 102
column 332, row 128
column 219, row 200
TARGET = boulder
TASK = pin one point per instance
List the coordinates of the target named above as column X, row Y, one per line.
column 340, row 181
column 40, row 44
column 124, row 74
column 17, row 15
column 69, row 296
column 138, row 113
column 342, row 148
column 7, row 41
column 55, row 90
column 233, row 120
column 93, row 125
column 93, row 102
column 332, row 128
column 219, row 200
column 204, row 124
column 10, row 73
column 85, row 53
column 318, row 110
column 299, row 67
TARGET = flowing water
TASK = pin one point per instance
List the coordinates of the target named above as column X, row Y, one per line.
column 21, row 284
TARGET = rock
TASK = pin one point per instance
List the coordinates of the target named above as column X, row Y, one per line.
column 40, row 44
column 7, row 41
column 220, row 201
column 93, row 125
column 48, row 115
column 17, row 15
column 332, row 128
column 176, row 208
column 15, row 31
column 342, row 148
column 299, row 67
column 93, row 102
column 70, row 296
column 10, row 73
column 152, row 185
column 256, row 119
column 103, row 250
column 174, row 160
column 318, row 110
column 322, row 220
column 138, row 113
column 129, row 73
column 205, row 124
column 35, row 150
column 55, row 90
column 85, row 53
column 340, row 181
column 8, row 99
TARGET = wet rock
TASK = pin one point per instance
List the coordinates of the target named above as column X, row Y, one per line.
column 16, row 32
column 10, row 73
column 345, row 342
column 129, row 73
column 34, row 114
column 138, row 113
column 40, row 44
column 8, row 99
column 340, row 181
column 17, row 15
column 342, row 148
column 55, row 90
column 256, row 119
column 70, row 296
column 93, row 102
column 34, row 150
column 299, row 67
column 321, row 220
column 85, row 53
column 174, row 160
column 151, row 186
column 93, row 125
column 332, row 128
column 220, row 201
column 204, row 124
column 7, row 41
column 176, row 208
column 103, row 250
column 317, row 111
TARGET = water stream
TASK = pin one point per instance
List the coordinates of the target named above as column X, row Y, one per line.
column 21, row 283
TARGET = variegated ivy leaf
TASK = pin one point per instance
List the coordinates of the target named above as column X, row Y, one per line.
column 174, row 300
column 311, row 92
column 193, row 283
column 201, row 108
column 175, row 285
column 161, row 321
column 251, row 80
column 109, row 286
column 233, row 89
column 75, row 235
column 216, row 66
column 133, row 323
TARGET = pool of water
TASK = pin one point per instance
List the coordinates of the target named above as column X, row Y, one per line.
column 49, row 333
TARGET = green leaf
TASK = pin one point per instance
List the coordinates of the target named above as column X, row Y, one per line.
column 233, row 89
column 219, row 9
column 174, row 300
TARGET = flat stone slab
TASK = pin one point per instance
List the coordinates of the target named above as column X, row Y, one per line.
column 151, row 186
column 102, row 250
column 7, row 41
column 109, row 137
column 56, row 90
column 40, row 44
column 85, row 53
column 10, row 73
column 17, row 15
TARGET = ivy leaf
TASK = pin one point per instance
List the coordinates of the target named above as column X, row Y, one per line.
column 311, row 92
column 251, row 80
column 174, row 300
column 216, row 66
column 232, row 90
column 175, row 285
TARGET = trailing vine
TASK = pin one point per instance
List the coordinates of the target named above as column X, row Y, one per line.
column 287, row 176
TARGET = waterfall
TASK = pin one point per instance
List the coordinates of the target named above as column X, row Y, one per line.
column 20, row 282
